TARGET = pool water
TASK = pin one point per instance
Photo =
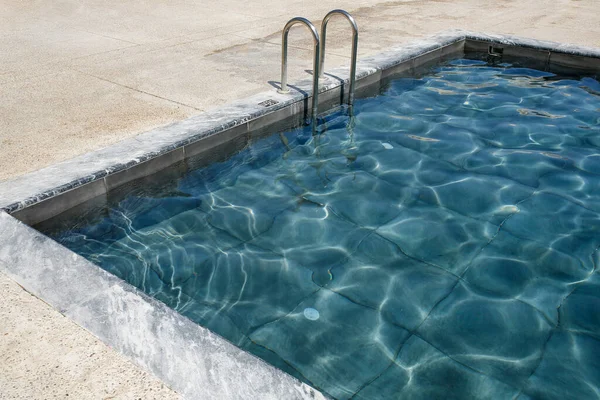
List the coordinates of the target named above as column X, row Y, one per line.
column 442, row 243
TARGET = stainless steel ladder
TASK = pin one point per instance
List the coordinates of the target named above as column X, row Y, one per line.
column 354, row 50
column 319, row 55
column 284, row 47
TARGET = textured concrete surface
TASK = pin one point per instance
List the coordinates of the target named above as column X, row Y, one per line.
column 45, row 355
column 77, row 76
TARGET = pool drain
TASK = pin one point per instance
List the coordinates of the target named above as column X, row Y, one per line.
column 311, row 313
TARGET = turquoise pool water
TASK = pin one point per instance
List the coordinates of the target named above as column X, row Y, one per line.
column 442, row 243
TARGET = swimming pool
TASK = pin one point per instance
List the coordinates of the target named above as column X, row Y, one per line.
column 442, row 242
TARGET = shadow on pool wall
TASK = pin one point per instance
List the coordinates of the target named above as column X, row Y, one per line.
column 384, row 170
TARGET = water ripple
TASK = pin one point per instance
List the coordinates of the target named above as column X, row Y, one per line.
column 443, row 243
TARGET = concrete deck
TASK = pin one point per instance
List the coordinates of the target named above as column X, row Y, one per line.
column 44, row 355
column 76, row 77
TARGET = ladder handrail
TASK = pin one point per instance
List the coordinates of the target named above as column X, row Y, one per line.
column 284, row 46
column 354, row 48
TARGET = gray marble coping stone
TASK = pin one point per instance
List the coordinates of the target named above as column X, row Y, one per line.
column 189, row 358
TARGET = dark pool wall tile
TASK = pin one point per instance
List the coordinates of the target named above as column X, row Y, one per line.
column 429, row 58
column 424, row 60
column 202, row 145
column 476, row 46
column 368, row 86
column 550, row 56
column 453, row 49
column 52, row 206
column 144, row 169
column 536, row 59
column 561, row 63
column 296, row 109
column 332, row 98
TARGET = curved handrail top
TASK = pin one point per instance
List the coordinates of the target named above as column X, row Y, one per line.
column 303, row 21
column 344, row 13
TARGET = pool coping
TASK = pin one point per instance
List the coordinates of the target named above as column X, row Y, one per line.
column 189, row 358
column 102, row 170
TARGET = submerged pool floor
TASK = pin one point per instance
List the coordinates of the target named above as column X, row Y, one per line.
column 442, row 243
